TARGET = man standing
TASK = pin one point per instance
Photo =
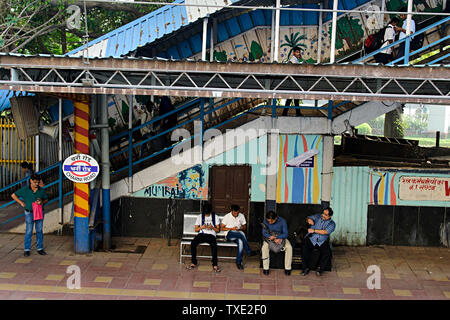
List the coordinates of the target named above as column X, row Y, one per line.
column 234, row 224
column 207, row 225
column 30, row 194
column 385, row 56
column 318, row 237
column 294, row 59
column 402, row 30
column 278, row 234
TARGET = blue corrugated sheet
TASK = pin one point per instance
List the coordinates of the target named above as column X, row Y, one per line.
column 143, row 30
column 349, row 200
column 256, row 18
column 6, row 94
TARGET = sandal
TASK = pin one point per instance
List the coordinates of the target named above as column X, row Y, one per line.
column 216, row 269
column 191, row 267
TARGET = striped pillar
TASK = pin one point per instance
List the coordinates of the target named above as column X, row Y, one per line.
column 81, row 190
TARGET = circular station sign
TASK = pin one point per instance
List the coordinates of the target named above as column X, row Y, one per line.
column 80, row 168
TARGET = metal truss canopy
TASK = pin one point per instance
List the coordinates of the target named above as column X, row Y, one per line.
column 130, row 76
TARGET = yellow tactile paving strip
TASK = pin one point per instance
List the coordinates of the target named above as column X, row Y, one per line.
column 149, row 293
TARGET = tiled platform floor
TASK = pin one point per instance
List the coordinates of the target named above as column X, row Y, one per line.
column 406, row 273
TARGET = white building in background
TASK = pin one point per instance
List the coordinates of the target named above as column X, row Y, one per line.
column 438, row 116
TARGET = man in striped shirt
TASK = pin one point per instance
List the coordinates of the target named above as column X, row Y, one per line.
column 318, row 237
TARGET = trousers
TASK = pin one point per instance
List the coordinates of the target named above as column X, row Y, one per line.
column 324, row 255
column 201, row 238
column 265, row 252
column 29, row 223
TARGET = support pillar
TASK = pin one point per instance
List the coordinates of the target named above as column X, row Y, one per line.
column 81, row 190
column 106, row 184
column 271, row 170
column 327, row 169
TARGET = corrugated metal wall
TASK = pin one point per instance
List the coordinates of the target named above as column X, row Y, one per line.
column 349, row 201
column 13, row 152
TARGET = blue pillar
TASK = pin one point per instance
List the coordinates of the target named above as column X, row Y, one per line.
column 81, row 235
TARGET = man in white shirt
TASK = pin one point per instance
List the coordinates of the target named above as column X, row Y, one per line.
column 296, row 56
column 234, row 224
column 207, row 226
column 386, row 55
column 402, row 30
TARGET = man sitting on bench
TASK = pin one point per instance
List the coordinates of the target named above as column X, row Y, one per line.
column 275, row 233
column 234, row 225
column 207, row 225
column 318, row 238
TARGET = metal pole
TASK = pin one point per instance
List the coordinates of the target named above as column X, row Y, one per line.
column 130, row 144
column 106, row 183
column 333, row 32
column 60, row 158
column 205, row 34
column 211, row 44
column 408, row 31
column 272, row 39
column 37, row 152
column 277, row 31
column 327, row 169
column 319, row 36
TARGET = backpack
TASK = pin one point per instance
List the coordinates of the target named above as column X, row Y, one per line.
column 374, row 41
column 417, row 42
column 213, row 219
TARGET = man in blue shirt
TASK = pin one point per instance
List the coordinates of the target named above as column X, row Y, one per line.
column 318, row 237
column 276, row 225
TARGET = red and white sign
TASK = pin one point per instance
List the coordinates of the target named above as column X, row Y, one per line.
column 424, row 188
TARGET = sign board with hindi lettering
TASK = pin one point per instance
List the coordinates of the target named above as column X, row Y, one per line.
column 81, row 168
column 424, row 188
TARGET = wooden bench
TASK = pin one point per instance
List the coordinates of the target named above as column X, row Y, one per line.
column 189, row 234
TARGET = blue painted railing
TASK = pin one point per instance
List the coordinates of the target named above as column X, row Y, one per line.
column 407, row 41
column 59, row 181
column 199, row 103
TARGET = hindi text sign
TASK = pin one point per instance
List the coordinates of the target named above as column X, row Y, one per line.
column 80, row 168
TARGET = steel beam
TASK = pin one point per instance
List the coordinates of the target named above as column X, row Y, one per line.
column 55, row 74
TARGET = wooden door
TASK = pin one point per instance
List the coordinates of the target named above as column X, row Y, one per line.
column 230, row 185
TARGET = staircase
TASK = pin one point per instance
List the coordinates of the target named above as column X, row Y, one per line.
column 221, row 114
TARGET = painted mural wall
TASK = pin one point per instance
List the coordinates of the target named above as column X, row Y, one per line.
column 299, row 185
column 424, row 189
column 193, row 182
column 352, row 30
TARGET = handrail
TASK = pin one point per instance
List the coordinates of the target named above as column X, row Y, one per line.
column 59, row 181
column 407, row 38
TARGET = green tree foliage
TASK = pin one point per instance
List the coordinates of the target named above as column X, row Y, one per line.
column 40, row 26
column 415, row 124
column 364, row 128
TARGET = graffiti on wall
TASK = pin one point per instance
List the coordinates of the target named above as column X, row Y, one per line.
column 299, row 185
column 352, row 29
column 188, row 184
column 385, row 188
